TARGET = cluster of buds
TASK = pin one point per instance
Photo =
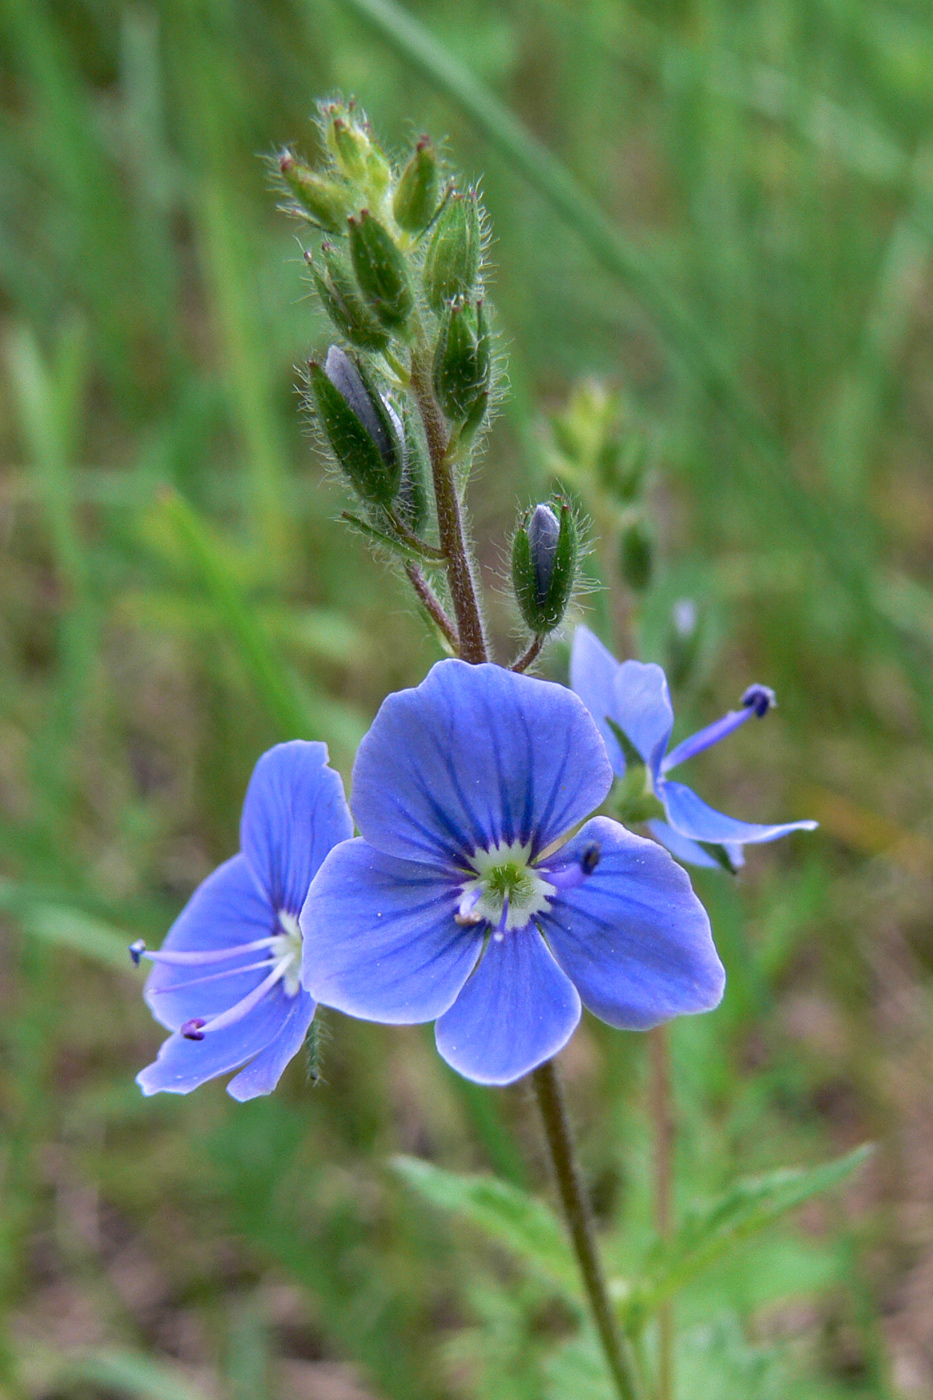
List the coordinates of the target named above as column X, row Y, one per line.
column 397, row 266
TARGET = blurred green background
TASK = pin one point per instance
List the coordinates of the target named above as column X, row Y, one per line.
column 176, row 597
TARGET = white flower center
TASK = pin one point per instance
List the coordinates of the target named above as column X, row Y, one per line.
column 286, row 953
column 506, row 892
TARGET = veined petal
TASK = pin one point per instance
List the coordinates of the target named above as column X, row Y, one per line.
column 262, row 1074
column 682, row 847
column 633, row 937
column 226, row 910
column 690, row 816
column 516, row 1011
column 183, row 1065
column 592, row 675
column 473, row 757
column 642, row 709
column 295, row 812
column 380, row 938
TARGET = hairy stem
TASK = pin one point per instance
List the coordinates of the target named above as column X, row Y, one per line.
column 582, row 1232
column 431, row 603
column 415, row 543
column 449, row 520
column 527, row 657
column 662, row 1117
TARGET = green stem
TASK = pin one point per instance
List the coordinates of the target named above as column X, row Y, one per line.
column 662, row 1117
column 450, row 529
column 582, row 1232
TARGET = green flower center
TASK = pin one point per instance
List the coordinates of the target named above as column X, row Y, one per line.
column 506, row 892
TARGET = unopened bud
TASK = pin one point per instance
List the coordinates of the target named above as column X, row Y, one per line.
column 357, row 156
column 362, row 431
column 381, row 271
column 636, row 555
column 544, row 566
column 451, row 266
column 325, row 202
column 462, row 360
column 341, row 299
column 412, row 502
column 418, row 190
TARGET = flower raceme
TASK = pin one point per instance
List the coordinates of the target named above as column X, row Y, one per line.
column 226, row 981
column 631, row 704
column 472, row 899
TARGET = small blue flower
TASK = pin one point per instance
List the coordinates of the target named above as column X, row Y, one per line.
column 472, row 900
column 227, row 978
column 633, row 697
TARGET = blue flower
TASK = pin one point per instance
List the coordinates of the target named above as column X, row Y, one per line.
column 633, row 698
column 227, row 978
column 472, row 899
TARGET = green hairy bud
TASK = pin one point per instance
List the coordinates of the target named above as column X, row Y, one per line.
column 418, row 190
column 451, row 267
column 381, row 271
column 544, row 566
column 636, row 555
column 362, row 431
column 462, row 360
column 341, row 300
column 324, row 201
column 412, row 503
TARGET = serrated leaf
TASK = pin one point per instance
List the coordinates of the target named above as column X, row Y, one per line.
column 722, row 1226
column 507, row 1214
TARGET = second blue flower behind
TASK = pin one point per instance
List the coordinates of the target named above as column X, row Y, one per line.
column 466, row 903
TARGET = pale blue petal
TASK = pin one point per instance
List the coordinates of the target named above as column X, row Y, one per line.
column 183, row 1065
column 633, row 937
column 690, row 816
column 380, row 938
column 681, row 846
column 642, row 709
column 705, row 738
column 592, row 674
column 225, row 910
column 295, row 812
column 474, row 756
column 262, row 1074
column 516, row 1011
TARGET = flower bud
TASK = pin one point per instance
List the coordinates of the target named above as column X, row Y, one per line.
column 324, row 201
column 412, row 502
column 544, row 566
column 357, row 156
column 451, row 266
column 636, row 555
column 462, row 360
column 622, row 465
column 381, row 271
column 362, row 431
column 418, row 190
column 341, row 300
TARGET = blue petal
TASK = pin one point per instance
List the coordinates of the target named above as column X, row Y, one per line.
column 633, row 938
column 592, row 674
column 642, row 709
column 690, row 816
column 262, row 1074
column 681, row 846
column 380, row 939
column 295, row 812
column 183, row 1065
column 474, row 756
column 227, row 909
column 516, row 1011
column 705, row 738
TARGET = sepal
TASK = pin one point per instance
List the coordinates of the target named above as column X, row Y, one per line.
column 341, row 300
column 462, row 360
column 325, row 202
column 544, row 566
column 417, row 193
column 451, row 267
column 361, row 430
column 381, row 271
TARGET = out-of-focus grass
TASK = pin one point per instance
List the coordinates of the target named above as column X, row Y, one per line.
column 176, row 596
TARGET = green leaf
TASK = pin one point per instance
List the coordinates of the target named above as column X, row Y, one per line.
column 508, row 1215
column 719, row 1228
column 130, row 1374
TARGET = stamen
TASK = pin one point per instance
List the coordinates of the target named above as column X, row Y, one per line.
column 192, row 1030
column 213, row 977
column 139, row 950
column 500, row 931
column 197, row 1028
column 760, row 699
column 569, row 877
column 466, row 910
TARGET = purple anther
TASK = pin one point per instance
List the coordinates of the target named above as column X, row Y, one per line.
column 759, row 698
column 136, row 950
column 569, row 877
column 590, row 857
column 193, row 1029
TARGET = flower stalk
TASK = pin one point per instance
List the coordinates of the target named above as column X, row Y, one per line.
column 582, row 1232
